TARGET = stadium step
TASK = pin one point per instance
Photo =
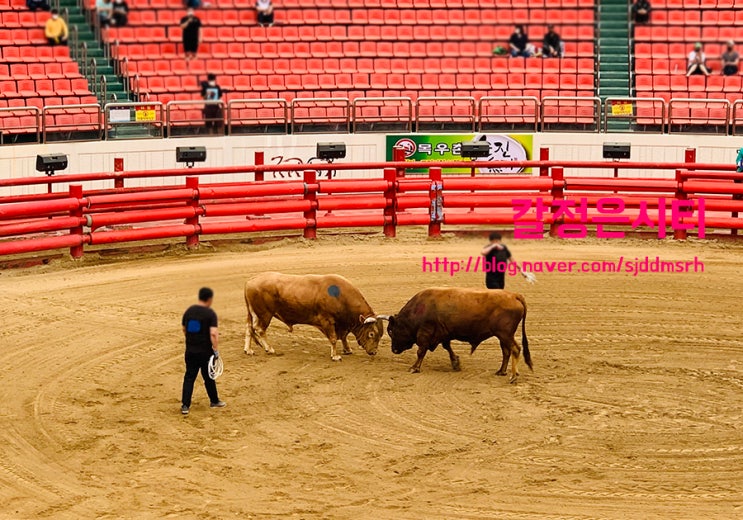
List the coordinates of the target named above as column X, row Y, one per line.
column 115, row 89
column 614, row 60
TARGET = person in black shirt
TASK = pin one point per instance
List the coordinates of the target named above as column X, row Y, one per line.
column 213, row 113
column 519, row 43
column 497, row 257
column 202, row 339
column 552, row 45
column 191, row 27
column 120, row 13
column 641, row 11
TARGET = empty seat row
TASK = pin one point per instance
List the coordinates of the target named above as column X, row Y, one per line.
column 357, row 81
column 43, row 88
column 234, row 66
column 696, row 17
column 695, row 83
column 674, row 33
column 696, row 4
column 40, row 102
column 22, row 37
column 360, row 4
column 34, row 53
column 52, row 70
column 26, row 19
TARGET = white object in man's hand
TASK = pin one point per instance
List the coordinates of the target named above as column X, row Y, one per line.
column 529, row 276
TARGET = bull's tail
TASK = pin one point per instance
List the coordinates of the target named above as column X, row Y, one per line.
column 524, row 339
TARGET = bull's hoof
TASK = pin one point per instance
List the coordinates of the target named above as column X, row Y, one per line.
column 414, row 370
column 514, row 379
column 250, row 352
column 501, row 372
column 347, row 352
column 455, row 365
column 270, row 351
column 336, row 358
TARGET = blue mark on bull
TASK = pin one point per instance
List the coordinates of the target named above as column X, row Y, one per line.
column 334, row 291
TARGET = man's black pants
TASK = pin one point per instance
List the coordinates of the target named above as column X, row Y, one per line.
column 495, row 282
column 194, row 363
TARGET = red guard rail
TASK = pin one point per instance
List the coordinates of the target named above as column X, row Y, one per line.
column 75, row 219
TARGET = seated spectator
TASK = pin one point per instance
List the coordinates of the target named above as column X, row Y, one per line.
column 730, row 59
column 55, row 29
column 33, row 5
column 552, row 46
column 191, row 28
column 519, row 43
column 641, row 11
column 265, row 12
column 193, row 4
column 697, row 61
column 105, row 12
column 120, row 15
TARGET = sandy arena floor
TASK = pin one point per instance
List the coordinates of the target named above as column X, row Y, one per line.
column 634, row 409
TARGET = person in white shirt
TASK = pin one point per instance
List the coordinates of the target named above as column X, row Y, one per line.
column 696, row 62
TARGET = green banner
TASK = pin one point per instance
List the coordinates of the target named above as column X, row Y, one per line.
column 446, row 147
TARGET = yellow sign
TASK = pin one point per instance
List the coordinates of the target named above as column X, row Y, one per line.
column 145, row 114
column 621, row 109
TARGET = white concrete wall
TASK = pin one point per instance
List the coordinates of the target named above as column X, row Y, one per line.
column 645, row 147
column 88, row 157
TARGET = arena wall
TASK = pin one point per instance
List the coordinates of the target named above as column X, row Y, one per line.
column 89, row 157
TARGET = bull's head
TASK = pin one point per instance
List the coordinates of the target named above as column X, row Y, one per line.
column 369, row 333
column 400, row 335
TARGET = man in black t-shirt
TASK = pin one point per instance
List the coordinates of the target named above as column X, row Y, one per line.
column 552, row 44
column 202, row 338
column 213, row 113
column 497, row 257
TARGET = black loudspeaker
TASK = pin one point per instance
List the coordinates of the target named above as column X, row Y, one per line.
column 190, row 154
column 475, row 149
column 327, row 151
column 616, row 150
column 51, row 163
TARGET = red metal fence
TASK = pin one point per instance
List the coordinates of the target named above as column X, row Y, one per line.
column 709, row 195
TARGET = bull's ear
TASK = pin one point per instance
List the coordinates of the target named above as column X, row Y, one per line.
column 361, row 318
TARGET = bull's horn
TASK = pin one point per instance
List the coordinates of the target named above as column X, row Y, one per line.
column 383, row 317
column 370, row 319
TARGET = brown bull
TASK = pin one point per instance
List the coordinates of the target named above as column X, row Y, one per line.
column 329, row 302
column 439, row 315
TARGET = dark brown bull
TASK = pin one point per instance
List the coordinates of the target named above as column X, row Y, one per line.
column 439, row 315
column 329, row 302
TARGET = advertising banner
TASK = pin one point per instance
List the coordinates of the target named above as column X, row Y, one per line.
column 446, row 147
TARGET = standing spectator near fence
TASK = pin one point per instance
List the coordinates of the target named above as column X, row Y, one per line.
column 55, row 29
column 120, row 15
column 519, row 43
column 552, row 45
column 213, row 113
column 697, row 61
column 264, row 9
column 730, row 60
column 191, row 27
column 641, row 11
column 105, row 9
